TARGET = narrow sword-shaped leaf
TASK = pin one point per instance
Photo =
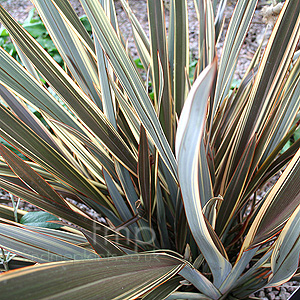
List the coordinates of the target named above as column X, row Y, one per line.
column 144, row 172
column 254, row 271
column 19, row 135
column 272, row 164
column 40, row 247
column 181, row 54
column 96, row 149
column 143, row 52
column 26, row 116
column 235, row 188
column 16, row 79
column 205, row 183
column 125, row 277
column 285, row 256
column 200, row 282
column 275, row 212
column 189, row 134
column 63, row 212
column 101, row 245
column 27, row 63
column 117, row 199
column 187, row 295
column 108, row 98
column 291, row 103
column 8, row 213
column 135, row 23
column 161, row 218
column 48, row 205
column 67, row 10
column 165, row 289
column 275, row 63
column 237, row 270
column 171, row 32
column 92, row 163
column 129, row 78
column 206, row 39
column 73, row 238
column 159, row 59
column 236, row 33
column 75, row 55
column 219, row 19
column 89, row 114
column 30, row 177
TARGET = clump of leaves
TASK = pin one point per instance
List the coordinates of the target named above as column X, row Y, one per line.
column 175, row 176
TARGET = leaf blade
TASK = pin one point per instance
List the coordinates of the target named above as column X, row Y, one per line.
column 187, row 152
column 97, row 277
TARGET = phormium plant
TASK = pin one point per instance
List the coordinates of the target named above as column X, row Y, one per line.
column 175, row 177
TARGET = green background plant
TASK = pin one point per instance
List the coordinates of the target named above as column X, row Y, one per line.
column 34, row 25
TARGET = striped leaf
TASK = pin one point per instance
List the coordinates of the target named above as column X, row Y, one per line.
column 125, row 277
column 189, row 134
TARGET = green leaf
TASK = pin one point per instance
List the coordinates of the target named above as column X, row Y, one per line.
column 85, row 21
column 35, row 29
column 126, row 277
column 138, row 63
column 40, row 219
